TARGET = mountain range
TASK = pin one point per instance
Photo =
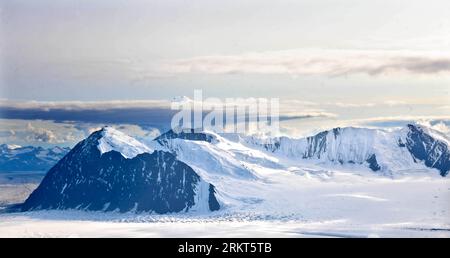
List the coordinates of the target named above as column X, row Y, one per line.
column 204, row 171
column 410, row 147
column 29, row 158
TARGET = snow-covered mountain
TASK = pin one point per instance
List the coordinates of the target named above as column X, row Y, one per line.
column 206, row 151
column 112, row 171
column 411, row 147
column 202, row 171
column 29, row 158
column 260, row 174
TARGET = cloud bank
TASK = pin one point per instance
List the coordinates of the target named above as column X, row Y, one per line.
column 326, row 62
column 154, row 113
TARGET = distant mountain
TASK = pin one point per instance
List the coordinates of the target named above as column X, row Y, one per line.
column 410, row 147
column 111, row 171
column 29, row 158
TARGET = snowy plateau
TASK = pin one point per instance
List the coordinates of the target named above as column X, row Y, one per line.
column 345, row 182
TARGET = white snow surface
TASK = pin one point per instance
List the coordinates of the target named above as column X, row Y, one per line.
column 113, row 139
column 295, row 203
column 201, row 198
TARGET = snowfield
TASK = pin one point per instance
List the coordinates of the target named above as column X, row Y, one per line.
column 296, row 204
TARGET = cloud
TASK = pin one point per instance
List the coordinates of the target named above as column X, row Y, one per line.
column 442, row 127
column 328, row 62
column 352, row 105
column 304, row 128
column 444, row 107
column 393, row 103
column 49, row 133
column 398, row 121
column 42, row 134
column 293, row 62
column 38, row 132
column 84, row 105
column 98, row 112
column 7, row 133
column 154, row 113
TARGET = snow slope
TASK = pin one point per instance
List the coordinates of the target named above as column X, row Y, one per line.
column 296, row 204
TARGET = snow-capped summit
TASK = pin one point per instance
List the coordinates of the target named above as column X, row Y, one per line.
column 112, row 139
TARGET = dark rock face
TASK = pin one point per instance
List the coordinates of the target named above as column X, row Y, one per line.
column 423, row 147
column 400, row 143
column 29, row 158
column 187, row 134
column 373, row 163
column 336, row 132
column 212, row 201
column 87, row 179
column 271, row 146
column 317, row 144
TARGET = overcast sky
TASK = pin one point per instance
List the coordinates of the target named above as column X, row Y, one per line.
column 387, row 53
column 89, row 50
